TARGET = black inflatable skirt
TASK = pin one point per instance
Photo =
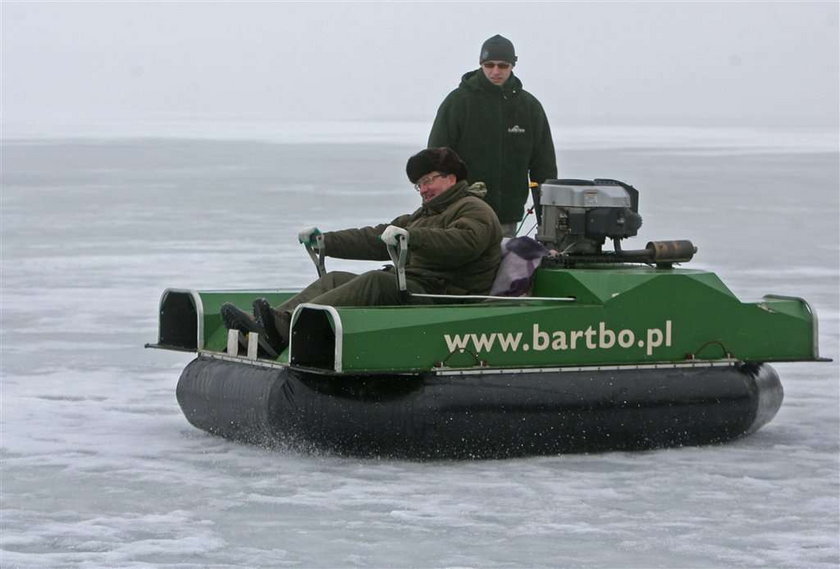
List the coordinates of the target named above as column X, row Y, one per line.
column 478, row 415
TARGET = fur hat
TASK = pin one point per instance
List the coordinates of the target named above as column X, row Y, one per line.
column 497, row 48
column 443, row 160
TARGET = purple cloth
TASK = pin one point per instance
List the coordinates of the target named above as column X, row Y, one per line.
column 520, row 258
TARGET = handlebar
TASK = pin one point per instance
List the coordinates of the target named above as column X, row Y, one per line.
column 399, row 255
column 317, row 258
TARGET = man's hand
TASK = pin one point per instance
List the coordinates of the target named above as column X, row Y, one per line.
column 309, row 236
column 392, row 234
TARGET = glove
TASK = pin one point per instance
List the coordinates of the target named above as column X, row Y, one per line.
column 309, row 236
column 392, row 234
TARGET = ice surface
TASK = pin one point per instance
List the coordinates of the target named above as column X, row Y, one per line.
column 100, row 469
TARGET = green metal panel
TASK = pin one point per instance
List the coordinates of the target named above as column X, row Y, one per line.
column 190, row 320
column 597, row 285
column 215, row 337
column 620, row 316
column 660, row 316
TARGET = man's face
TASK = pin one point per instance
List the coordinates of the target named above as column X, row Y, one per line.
column 497, row 72
column 433, row 184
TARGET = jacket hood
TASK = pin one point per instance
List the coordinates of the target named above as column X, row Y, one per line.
column 475, row 80
column 478, row 189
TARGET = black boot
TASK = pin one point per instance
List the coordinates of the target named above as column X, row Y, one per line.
column 236, row 319
column 266, row 317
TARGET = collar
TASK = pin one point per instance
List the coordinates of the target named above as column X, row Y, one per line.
column 509, row 86
column 445, row 199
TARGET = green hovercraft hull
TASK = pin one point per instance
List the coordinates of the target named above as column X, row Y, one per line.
column 601, row 358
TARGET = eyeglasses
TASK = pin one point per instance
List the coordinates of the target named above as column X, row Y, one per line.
column 426, row 180
column 500, row 64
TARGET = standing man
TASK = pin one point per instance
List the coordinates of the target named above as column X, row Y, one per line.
column 499, row 130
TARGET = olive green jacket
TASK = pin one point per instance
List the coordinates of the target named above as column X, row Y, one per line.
column 503, row 135
column 453, row 242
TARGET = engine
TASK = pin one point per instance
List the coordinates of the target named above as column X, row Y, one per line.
column 577, row 216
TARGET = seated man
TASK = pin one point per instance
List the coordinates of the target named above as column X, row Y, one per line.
column 453, row 240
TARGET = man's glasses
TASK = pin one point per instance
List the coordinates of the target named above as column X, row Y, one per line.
column 426, row 180
column 500, row 64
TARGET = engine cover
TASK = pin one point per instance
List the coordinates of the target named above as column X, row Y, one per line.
column 577, row 216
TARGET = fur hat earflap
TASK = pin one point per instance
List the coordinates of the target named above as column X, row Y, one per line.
column 443, row 160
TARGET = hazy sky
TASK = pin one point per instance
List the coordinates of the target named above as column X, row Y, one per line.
column 588, row 63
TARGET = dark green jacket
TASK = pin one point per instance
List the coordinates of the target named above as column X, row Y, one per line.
column 453, row 243
column 502, row 133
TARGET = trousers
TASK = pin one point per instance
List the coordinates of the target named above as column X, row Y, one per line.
column 340, row 288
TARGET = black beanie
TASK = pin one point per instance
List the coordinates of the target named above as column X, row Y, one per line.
column 443, row 160
column 497, row 48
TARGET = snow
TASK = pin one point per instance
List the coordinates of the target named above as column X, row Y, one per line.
column 100, row 468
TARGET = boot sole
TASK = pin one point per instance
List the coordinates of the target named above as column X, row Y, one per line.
column 236, row 319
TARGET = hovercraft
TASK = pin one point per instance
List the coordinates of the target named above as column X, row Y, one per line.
column 609, row 350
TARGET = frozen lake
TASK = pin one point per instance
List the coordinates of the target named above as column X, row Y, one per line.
column 100, row 469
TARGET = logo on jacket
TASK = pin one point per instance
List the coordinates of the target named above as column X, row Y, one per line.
column 516, row 129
